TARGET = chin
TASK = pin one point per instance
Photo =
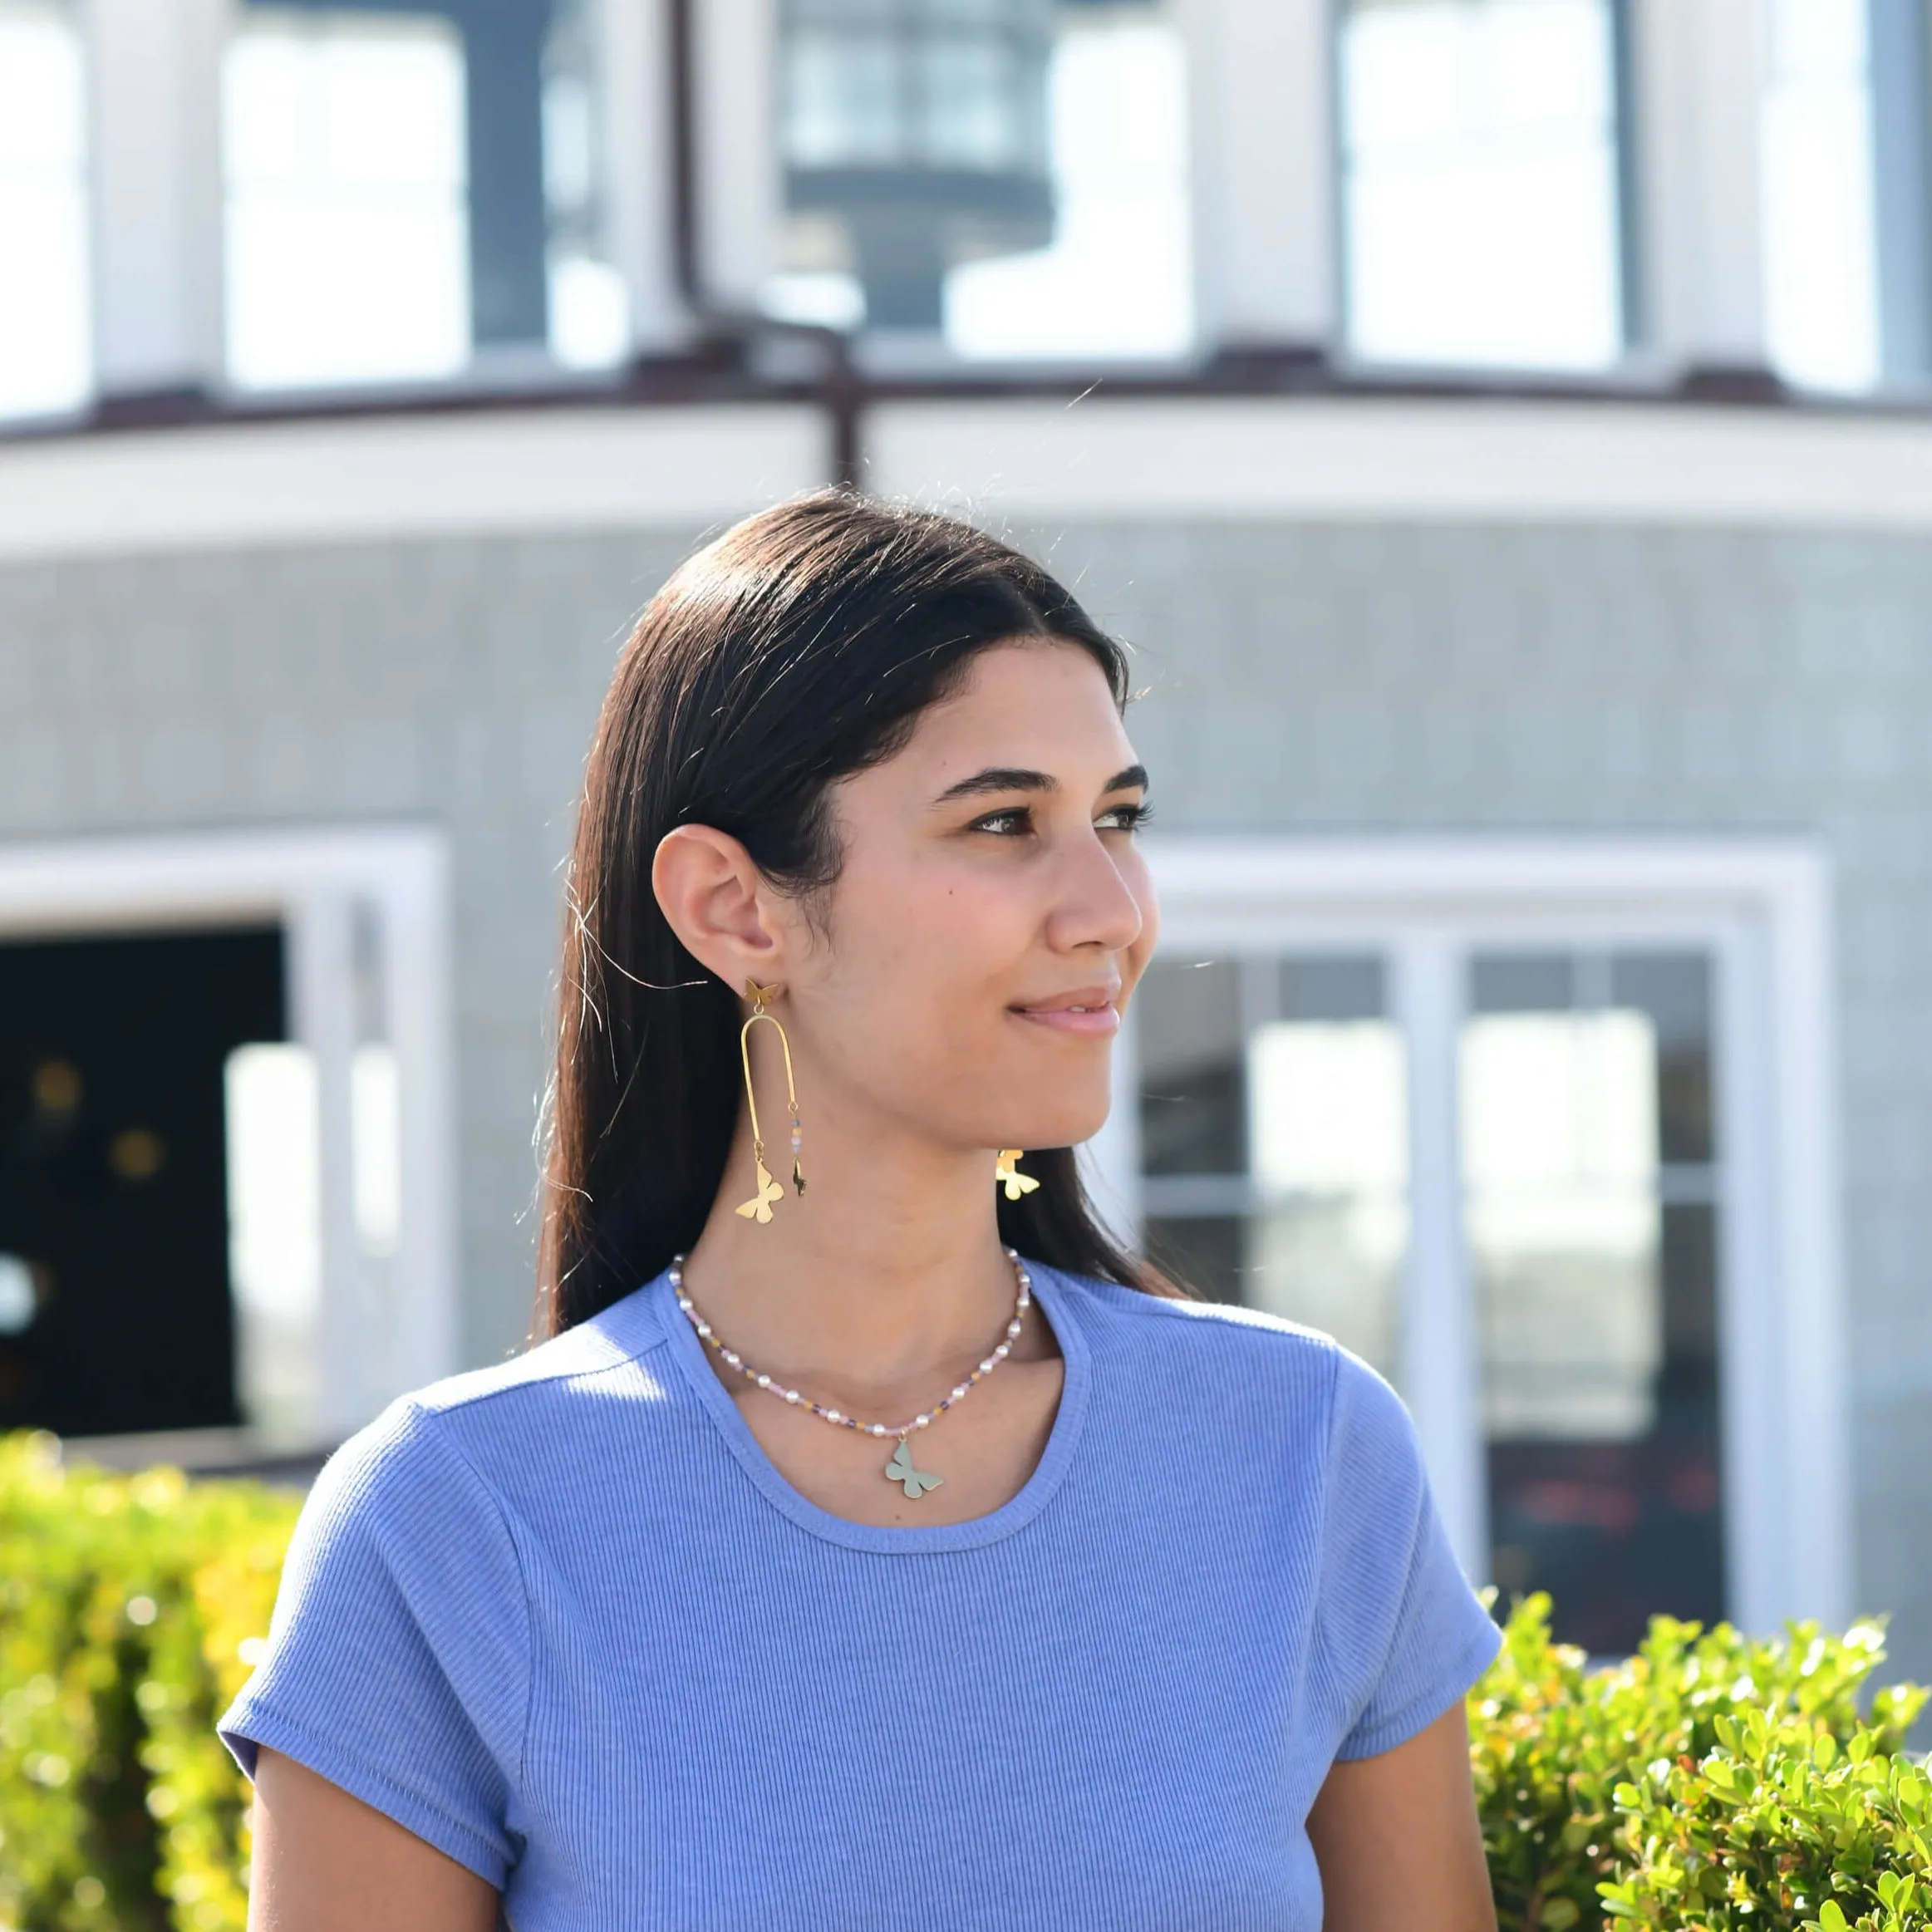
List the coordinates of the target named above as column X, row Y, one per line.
column 1057, row 1124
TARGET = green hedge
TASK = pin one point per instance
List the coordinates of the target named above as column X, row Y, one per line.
column 131, row 1609
column 1711, row 1783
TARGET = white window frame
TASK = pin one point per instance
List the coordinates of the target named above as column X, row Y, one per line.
column 315, row 883
column 1762, row 908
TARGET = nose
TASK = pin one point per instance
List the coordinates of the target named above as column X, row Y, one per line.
column 1098, row 904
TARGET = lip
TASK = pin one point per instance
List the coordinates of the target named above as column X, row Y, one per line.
column 1088, row 1011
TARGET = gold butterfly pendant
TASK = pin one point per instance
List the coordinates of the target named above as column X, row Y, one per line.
column 759, row 1207
column 1004, row 1172
column 915, row 1481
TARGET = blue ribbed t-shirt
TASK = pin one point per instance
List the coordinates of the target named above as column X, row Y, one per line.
column 563, row 1618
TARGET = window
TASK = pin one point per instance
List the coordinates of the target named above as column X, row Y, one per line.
column 1821, row 278
column 45, row 332
column 344, row 149
column 1530, row 1129
column 1007, row 178
column 410, row 191
column 1482, row 219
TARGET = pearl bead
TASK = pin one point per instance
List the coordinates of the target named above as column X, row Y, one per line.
column 793, row 1395
column 833, row 1415
column 986, row 1366
column 878, row 1428
column 764, row 1382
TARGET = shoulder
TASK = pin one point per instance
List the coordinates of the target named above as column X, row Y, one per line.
column 1260, row 1369
column 455, row 1437
column 1217, row 1337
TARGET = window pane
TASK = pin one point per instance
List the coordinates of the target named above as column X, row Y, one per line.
column 1479, row 143
column 45, row 333
column 1618, row 1531
column 841, row 94
column 1674, row 990
column 1560, row 1162
column 344, row 147
column 1206, row 1252
column 1821, row 279
column 1188, row 1021
column 1596, row 1300
column 1274, row 1139
column 1115, row 279
column 1006, row 178
column 588, row 306
column 1328, row 1129
column 406, row 190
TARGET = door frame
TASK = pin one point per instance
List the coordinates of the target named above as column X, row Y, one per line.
column 329, row 888
column 1764, row 907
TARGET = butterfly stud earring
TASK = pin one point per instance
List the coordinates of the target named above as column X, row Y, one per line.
column 1006, row 1173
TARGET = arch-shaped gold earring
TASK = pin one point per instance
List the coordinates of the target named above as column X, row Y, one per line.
column 768, row 1192
column 1005, row 1174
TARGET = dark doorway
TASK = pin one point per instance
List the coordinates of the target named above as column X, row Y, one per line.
column 116, row 1313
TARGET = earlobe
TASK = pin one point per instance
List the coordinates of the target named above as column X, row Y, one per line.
column 707, row 887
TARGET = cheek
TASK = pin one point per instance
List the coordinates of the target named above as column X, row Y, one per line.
column 925, row 954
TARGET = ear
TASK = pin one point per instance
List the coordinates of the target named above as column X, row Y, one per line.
column 713, row 898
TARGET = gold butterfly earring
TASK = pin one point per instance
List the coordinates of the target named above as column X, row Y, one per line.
column 759, row 1208
column 1006, row 1173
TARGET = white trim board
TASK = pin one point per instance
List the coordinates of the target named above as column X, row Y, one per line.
column 314, row 881
column 1349, row 458
column 1764, row 907
column 501, row 472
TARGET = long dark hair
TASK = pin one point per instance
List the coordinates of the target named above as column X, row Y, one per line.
column 799, row 648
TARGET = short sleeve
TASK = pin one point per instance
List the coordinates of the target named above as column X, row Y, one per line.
column 397, row 1663
column 1401, row 1635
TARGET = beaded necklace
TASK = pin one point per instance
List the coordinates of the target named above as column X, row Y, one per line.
column 900, row 1469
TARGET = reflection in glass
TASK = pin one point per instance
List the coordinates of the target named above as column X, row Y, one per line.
column 1203, row 1251
column 1188, row 1022
column 1560, row 1162
column 588, row 306
column 1114, row 281
column 45, row 327
column 1007, row 178
column 273, row 1140
column 1274, row 1139
column 1588, row 1140
column 1480, row 150
column 1819, row 227
column 344, row 150
column 1328, row 1129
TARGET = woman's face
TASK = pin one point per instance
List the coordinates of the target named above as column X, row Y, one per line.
column 991, row 916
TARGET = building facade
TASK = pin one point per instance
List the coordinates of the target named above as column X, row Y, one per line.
column 1543, row 1005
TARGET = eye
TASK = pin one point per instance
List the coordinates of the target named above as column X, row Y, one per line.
column 1007, row 821
column 1125, row 817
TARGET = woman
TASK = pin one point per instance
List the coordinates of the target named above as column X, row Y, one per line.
column 830, row 1565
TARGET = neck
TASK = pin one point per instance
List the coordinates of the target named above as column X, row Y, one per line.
column 888, row 1265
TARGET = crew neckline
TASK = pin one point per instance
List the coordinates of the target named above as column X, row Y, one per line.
column 1053, row 1294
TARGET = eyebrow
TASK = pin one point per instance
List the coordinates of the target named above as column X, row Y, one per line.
column 1013, row 777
